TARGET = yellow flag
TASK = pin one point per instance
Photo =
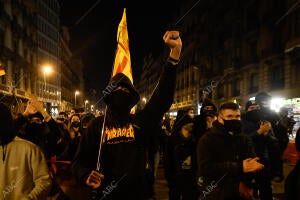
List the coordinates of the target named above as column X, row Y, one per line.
column 2, row 71
column 122, row 62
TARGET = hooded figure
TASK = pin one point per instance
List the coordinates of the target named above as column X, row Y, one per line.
column 123, row 144
column 183, row 148
column 23, row 167
column 121, row 99
column 7, row 130
column 201, row 124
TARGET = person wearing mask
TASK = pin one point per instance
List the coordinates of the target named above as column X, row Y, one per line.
column 263, row 99
column 226, row 159
column 37, row 126
column 190, row 112
column 74, row 132
column 123, row 156
column 23, row 167
column 261, row 134
column 208, row 113
column 85, row 120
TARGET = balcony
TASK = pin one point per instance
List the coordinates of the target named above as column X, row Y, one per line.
column 4, row 88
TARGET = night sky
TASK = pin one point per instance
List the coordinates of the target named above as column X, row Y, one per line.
column 93, row 28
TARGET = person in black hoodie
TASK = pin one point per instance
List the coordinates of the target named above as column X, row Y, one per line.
column 122, row 161
column 184, row 160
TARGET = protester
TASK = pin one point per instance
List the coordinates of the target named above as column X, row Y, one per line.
column 74, row 132
column 37, row 126
column 262, row 136
column 23, row 167
column 123, row 152
column 263, row 99
column 203, row 121
column 226, row 158
column 184, row 158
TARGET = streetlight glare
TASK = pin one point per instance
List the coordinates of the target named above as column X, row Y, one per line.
column 47, row 69
column 76, row 93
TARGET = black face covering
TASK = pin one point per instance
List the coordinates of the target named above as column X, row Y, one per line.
column 234, row 126
column 36, row 128
column 75, row 124
column 254, row 115
column 120, row 101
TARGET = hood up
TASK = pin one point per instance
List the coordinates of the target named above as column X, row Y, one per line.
column 121, row 79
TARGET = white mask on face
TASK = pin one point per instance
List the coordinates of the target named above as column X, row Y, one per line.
column 191, row 115
column 209, row 125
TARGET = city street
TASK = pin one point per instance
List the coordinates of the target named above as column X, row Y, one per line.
column 74, row 192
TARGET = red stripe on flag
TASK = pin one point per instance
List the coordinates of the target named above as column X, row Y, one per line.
column 124, row 48
column 122, row 65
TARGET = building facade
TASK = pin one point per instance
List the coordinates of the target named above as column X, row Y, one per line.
column 48, row 54
column 235, row 49
column 18, row 50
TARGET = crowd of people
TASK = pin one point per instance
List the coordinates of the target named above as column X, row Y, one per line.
column 223, row 153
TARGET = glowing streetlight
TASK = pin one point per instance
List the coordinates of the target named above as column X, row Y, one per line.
column 85, row 102
column 92, row 108
column 76, row 93
column 47, row 70
column 144, row 99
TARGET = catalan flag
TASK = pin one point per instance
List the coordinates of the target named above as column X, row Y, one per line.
column 122, row 63
column 2, row 71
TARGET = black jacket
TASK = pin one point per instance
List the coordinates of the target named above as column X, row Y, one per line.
column 220, row 162
column 123, row 150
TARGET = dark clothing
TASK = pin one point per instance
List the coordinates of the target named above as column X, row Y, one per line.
column 185, row 170
column 292, row 181
column 261, row 145
column 220, row 158
column 46, row 136
column 70, row 149
column 297, row 140
column 123, row 150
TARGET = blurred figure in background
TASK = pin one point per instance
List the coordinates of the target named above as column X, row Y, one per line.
column 184, row 157
column 292, row 181
column 75, row 132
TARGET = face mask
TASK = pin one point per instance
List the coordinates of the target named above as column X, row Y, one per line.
column 35, row 128
column 75, row 124
column 191, row 115
column 209, row 125
column 234, row 126
column 254, row 115
column 120, row 101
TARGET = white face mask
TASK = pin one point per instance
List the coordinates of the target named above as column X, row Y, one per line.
column 209, row 125
column 191, row 115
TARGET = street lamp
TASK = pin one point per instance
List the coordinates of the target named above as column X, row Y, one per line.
column 76, row 93
column 92, row 108
column 47, row 70
column 85, row 102
column 144, row 99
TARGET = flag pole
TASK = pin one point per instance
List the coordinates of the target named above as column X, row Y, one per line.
column 98, row 167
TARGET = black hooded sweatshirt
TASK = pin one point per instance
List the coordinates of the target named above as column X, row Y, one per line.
column 123, row 151
column 7, row 128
